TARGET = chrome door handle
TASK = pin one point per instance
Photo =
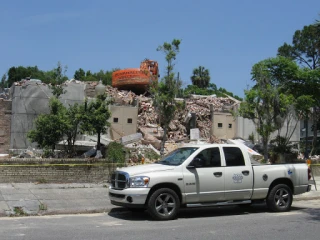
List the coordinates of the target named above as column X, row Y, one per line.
column 246, row 173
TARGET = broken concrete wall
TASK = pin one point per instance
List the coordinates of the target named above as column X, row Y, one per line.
column 5, row 125
column 123, row 121
column 245, row 127
column 29, row 99
column 223, row 126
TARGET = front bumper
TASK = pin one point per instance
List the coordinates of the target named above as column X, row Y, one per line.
column 130, row 197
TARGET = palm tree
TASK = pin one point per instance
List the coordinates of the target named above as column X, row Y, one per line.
column 200, row 77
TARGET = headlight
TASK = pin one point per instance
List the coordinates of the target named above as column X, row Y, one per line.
column 140, row 181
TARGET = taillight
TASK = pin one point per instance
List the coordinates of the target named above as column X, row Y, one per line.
column 309, row 173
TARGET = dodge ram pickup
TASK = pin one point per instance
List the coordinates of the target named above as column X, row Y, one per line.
column 206, row 175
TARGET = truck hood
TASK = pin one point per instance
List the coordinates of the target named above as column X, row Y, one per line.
column 143, row 169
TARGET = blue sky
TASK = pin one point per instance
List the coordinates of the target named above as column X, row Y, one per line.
column 227, row 37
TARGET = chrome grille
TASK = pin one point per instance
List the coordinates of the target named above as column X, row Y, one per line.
column 119, row 180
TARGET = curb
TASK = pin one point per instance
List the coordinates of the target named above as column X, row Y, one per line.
column 103, row 210
column 66, row 212
column 306, row 198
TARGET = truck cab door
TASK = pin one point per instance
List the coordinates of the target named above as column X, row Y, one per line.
column 238, row 175
column 204, row 177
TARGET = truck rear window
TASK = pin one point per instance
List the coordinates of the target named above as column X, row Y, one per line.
column 233, row 156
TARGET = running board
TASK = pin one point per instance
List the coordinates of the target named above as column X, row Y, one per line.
column 218, row 203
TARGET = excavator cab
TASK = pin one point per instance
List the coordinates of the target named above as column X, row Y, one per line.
column 151, row 66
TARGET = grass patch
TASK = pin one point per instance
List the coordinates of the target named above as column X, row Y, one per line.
column 42, row 181
column 43, row 207
column 18, row 211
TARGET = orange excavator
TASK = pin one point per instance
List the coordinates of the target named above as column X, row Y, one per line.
column 136, row 79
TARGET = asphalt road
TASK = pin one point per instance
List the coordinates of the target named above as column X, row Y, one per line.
column 302, row 222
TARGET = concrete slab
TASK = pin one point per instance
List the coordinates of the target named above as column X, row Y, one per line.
column 1, row 197
column 6, row 186
column 9, row 191
column 58, row 186
column 4, row 206
column 23, row 185
column 55, row 194
column 28, row 206
column 19, row 197
column 76, row 206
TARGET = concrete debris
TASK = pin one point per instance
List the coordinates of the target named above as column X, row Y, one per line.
column 148, row 120
column 131, row 138
column 5, row 93
column 99, row 154
column 30, row 153
column 92, row 152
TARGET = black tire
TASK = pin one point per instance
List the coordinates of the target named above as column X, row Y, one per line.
column 164, row 204
column 280, row 198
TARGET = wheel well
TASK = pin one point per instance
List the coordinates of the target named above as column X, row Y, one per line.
column 285, row 181
column 172, row 186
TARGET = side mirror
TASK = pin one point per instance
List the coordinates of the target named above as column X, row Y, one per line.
column 196, row 162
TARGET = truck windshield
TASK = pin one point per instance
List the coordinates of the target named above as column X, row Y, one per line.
column 177, row 156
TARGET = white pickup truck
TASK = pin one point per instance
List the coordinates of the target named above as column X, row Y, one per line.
column 206, row 175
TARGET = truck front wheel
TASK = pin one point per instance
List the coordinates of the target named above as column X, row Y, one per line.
column 163, row 204
column 279, row 198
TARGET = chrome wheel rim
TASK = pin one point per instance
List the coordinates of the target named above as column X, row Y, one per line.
column 281, row 198
column 165, row 204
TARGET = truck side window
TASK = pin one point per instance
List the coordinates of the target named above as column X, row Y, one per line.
column 210, row 157
column 234, row 156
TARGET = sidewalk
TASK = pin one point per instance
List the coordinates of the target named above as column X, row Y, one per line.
column 45, row 199
column 18, row 199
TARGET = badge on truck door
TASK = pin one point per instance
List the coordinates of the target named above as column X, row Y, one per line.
column 237, row 178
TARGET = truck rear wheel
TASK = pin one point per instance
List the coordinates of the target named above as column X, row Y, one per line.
column 163, row 204
column 279, row 198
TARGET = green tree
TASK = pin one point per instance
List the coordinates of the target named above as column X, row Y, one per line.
column 200, row 77
column 49, row 128
column 265, row 104
column 74, row 117
column 58, row 77
column 97, row 114
column 305, row 50
column 80, row 74
column 304, row 47
column 212, row 87
column 3, row 81
column 16, row 74
column 166, row 90
column 194, row 89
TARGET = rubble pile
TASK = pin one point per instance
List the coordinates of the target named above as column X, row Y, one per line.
column 4, row 94
column 201, row 107
column 177, row 132
column 121, row 97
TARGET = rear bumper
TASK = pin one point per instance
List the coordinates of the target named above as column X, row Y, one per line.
column 309, row 188
column 302, row 189
column 131, row 197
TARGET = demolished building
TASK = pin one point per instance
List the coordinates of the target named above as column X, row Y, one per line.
column 131, row 113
